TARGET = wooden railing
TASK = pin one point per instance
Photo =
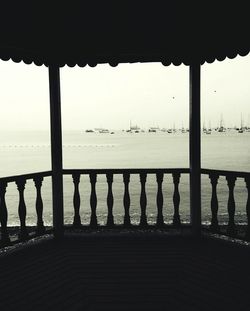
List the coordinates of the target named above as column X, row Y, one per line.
column 231, row 178
column 126, row 173
column 214, row 175
column 20, row 182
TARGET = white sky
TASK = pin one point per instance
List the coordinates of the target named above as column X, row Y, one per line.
column 103, row 96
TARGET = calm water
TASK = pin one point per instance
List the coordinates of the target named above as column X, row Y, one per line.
column 26, row 152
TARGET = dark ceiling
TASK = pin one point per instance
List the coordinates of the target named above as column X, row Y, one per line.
column 91, row 32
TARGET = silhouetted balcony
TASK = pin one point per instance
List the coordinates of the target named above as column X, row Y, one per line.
column 168, row 265
column 232, row 229
column 138, row 266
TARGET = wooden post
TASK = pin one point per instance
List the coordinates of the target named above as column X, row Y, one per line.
column 110, row 200
column 231, row 228
column 176, row 200
column 214, row 227
column 143, row 200
column 56, row 150
column 76, row 201
column 195, row 148
column 159, row 200
column 126, row 200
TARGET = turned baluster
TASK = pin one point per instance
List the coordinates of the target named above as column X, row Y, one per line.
column 126, row 200
column 214, row 227
column 5, row 240
column 176, row 200
column 247, row 181
column 23, row 235
column 93, row 201
column 76, row 201
column 159, row 200
column 40, row 229
column 231, row 229
column 110, row 200
column 143, row 200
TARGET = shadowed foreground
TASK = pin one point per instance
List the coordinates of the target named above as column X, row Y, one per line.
column 126, row 272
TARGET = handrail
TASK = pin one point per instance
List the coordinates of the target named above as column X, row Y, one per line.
column 127, row 170
column 231, row 178
column 20, row 181
column 225, row 173
column 214, row 174
column 25, row 176
column 126, row 173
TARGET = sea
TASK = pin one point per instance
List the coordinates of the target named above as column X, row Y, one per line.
column 24, row 152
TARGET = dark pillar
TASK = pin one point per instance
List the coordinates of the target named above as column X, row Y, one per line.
column 195, row 148
column 56, row 150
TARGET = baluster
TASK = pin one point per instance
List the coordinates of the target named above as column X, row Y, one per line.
column 126, row 200
column 247, row 181
column 159, row 200
column 110, row 201
column 5, row 240
column 176, row 200
column 214, row 227
column 93, row 201
column 23, row 235
column 39, row 205
column 231, row 229
column 143, row 200
column 76, row 201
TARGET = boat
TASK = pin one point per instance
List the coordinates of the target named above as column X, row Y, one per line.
column 89, row 131
column 103, row 131
column 153, row 129
column 133, row 128
column 221, row 127
column 183, row 130
column 204, row 128
column 209, row 130
column 241, row 129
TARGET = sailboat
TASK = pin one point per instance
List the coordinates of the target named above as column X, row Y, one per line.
column 170, row 131
column 174, row 129
column 221, row 127
column 209, row 130
column 183, row 129
column 133, row 128
column 204, row 127
column 241, row 130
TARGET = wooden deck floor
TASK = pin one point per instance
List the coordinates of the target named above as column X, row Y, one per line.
column 125, row 272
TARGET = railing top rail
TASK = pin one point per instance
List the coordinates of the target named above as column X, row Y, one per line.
column 25, row 176
column 226, row 173
column 128, row 171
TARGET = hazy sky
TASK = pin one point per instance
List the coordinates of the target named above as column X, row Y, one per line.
column 103, row 96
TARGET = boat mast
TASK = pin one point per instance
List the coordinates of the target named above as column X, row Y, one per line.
column 221, row 121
